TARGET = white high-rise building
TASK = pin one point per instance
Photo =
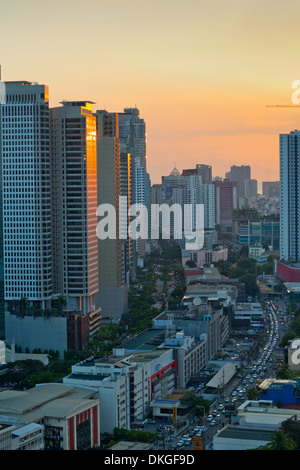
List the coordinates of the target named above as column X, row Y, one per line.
column 133, row 141
column 290, row 196
column 26, row 192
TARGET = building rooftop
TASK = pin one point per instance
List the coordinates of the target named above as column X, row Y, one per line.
column 277, row 383
column 129, row 445
column 292, row 286
column 147, row 341
column 223, row 375
column 43, row 400
column 25, row 429
column 231, row 432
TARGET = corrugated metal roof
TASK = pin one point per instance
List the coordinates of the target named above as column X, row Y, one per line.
column 223, row 375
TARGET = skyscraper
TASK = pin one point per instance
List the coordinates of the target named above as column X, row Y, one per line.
column 240, row 174
column 26, row 192
column 133, row 141
column 290, row 196
column 49, row 195
column 271, row 188
column 74, row 204
column 225, row 201
column 112, row 257
column 251, row 188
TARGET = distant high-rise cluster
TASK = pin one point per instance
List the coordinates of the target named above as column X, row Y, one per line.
column 57, row 165
column 196, row 186
column 246, row 186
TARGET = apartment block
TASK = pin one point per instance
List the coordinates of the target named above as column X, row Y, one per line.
column 289, row 196
column 125, row 384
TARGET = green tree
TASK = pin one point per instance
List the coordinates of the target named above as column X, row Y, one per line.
column 288, row 336
column 199, row 404
column 132, row 435
column 190, row 263
column 252, row 394
column 250, row 284
column 60, row 303
column 295, row 326
column 284, row 372
column 292, row 428
column 280, row 441
column 22, row 306
column 244, row 251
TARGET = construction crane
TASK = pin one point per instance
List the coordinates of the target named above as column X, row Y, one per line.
column 283, row 106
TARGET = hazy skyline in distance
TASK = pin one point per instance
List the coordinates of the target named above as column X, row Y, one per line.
column 201, row 71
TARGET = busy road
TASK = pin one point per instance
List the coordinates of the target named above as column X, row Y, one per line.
column 225, row 404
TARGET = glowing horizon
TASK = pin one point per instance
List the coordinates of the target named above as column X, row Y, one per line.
column 201, row 72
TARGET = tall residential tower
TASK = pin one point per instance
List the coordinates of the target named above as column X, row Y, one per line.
column 290, row 196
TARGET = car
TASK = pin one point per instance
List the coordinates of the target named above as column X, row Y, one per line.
column 180, row 444
column 234, row 394
column 209, row 418
column 149, row 421
column 212, row 423
column 220, row 407
column 197, row 428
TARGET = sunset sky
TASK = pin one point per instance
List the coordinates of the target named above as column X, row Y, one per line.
column 200, row 71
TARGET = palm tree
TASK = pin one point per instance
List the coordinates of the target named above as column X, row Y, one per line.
column 23, row 305
column 252, row 393
column 60, row 303
column 279, row 441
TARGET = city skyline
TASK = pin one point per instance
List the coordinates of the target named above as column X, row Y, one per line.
column 201, row 73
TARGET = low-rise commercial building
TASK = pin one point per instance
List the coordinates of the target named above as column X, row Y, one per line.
column 253, row 426
column 248, row 314
column 284, row 392
column 126, row 384
column 21, row 436
column 207, row 322
column 205, row 256
column 70, row 415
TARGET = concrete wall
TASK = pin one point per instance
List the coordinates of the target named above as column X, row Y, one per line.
column 37, row 332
